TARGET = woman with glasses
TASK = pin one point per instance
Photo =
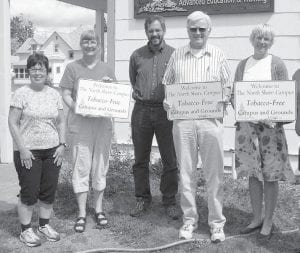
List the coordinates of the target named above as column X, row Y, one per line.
column 91, row 136
column 261, row 147
column 37, row 126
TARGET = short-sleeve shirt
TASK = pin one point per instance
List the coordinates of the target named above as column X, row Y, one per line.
column 38, row 123
column 185, row 67
column 78, row 70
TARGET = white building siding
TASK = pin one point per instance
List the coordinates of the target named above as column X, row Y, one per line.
column 57, row 71
column 230, row 32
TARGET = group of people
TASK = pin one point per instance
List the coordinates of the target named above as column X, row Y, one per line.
column 37, row 126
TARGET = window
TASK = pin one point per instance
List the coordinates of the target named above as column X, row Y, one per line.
column 17, row 73
column 21, row 73
column 57, row 70
column 56, row 48
column 33, row 47
column 71, row 54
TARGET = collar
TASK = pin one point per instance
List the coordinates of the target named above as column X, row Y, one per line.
column 162, row 46
column 206, row 50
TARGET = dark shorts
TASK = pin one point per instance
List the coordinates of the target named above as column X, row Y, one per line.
column 40, row 181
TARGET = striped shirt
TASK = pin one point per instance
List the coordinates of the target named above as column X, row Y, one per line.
column 212, row 65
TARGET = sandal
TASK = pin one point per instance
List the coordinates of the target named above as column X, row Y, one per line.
column 101, row 219
column 79, row 225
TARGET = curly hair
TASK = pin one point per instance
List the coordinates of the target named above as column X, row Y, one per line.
column 38, row 58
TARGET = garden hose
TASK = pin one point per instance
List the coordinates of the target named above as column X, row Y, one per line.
column 170, row 245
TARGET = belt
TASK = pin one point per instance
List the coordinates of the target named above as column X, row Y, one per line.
column 148, row 103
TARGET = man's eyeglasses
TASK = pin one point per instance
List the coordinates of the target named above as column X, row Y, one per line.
column 34, row 70
column 154, row 31
column 200, row 29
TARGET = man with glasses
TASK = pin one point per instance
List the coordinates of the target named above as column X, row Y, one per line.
column 146, row 69
column 199, row 62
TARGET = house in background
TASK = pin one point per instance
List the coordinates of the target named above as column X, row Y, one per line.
column 60, row 48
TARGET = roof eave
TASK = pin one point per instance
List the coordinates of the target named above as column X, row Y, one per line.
column 89, row 4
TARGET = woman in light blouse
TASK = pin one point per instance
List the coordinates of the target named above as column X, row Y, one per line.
column 37, row 126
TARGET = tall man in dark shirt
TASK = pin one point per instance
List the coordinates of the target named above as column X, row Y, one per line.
column 146, row 70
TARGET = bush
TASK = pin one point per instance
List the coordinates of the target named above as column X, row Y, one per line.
column 119, row 180
column 119, row 176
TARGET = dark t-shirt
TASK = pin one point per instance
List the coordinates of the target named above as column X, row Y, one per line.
column 77, row 70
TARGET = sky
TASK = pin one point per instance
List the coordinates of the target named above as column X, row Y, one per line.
column 49, row 15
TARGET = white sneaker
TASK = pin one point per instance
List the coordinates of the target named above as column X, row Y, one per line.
column 49, row 233
column 30, row 238
column 186, row 231
column 217, row 235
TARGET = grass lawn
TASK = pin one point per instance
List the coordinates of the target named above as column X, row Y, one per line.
column 154, row 228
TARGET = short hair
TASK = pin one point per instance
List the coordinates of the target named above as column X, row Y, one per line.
column 262, row 29
column 89, row 35
column 37, row 58
column 198, row 15
column 149, row 20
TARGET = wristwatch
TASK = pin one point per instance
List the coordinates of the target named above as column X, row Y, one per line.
column 63, row 144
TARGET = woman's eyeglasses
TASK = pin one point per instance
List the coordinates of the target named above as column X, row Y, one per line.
column 89, row 42
column 37, row 70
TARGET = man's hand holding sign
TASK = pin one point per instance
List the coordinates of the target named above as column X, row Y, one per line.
column 194, row 100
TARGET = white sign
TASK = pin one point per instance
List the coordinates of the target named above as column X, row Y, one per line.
column 195, row 100
column 102, row 99
column 265, row 100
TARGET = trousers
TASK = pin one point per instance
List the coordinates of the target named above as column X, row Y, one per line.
column 205, row 136
column 146, row 121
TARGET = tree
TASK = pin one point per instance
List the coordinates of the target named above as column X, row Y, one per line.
column 20, row 30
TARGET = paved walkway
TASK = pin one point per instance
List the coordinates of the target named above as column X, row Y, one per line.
column 9, row 187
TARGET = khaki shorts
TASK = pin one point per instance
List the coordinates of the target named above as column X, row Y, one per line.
column 90, row 145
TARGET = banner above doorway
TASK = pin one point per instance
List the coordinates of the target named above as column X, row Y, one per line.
column 167, row 8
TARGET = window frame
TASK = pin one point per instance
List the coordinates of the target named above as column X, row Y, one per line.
column 56, row 46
